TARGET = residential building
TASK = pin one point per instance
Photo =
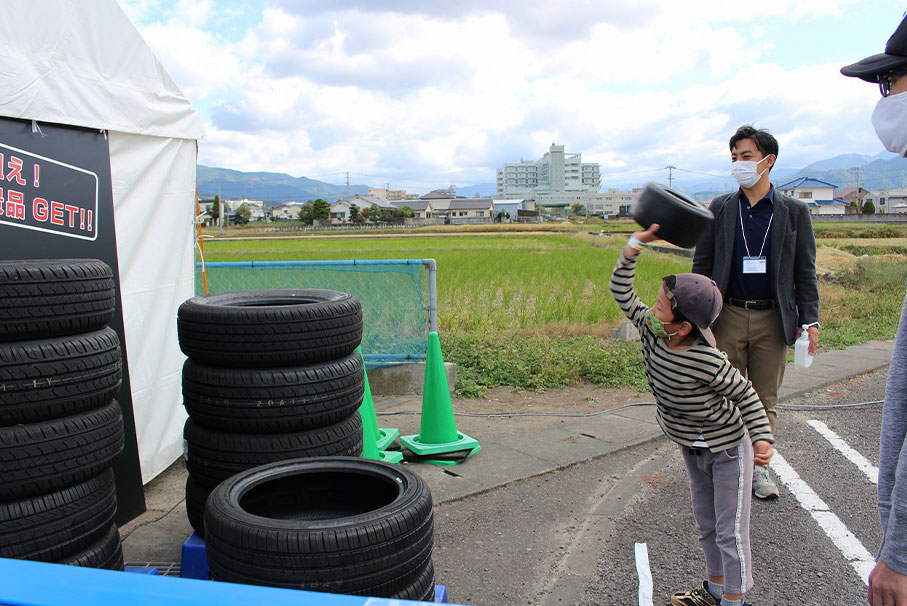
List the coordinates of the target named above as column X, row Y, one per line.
column 897, row 201
column 850, row 194
column 836, row 206
column 286, row 212
column 441, row 194
column 809, row 189
column 391, row 195
column 422, row 209
column 557, row 175
column 463, row 208
column 879, row 199
column 256, row 207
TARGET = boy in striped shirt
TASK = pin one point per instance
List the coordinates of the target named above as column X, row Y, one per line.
column 707, row 407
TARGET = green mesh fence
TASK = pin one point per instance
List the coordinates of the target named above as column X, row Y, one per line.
column 393, row 294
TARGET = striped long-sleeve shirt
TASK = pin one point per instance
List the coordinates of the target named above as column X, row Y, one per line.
column 699, row 394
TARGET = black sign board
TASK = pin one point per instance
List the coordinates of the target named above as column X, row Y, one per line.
column 56, row 202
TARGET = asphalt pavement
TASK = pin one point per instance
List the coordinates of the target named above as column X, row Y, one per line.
column 605, row 455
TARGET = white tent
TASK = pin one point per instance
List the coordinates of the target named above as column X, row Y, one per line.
column 82, row 63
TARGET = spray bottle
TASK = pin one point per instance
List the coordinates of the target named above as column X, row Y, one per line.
column 801, row 349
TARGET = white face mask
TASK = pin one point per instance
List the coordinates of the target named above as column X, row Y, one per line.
column 744, row 172
column 889, row 118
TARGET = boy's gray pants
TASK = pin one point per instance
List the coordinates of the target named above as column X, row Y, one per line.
column 721, row 485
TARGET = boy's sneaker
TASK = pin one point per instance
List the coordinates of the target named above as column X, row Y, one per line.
column 763, row 486
column 699, row 596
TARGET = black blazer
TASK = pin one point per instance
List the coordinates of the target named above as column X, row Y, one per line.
column 794, row 285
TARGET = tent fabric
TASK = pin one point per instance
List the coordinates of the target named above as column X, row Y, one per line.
column 154, row 192
column 83, row 63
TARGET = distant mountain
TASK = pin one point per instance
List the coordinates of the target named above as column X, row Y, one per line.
column 882, row 171
column 878, row 174
column 270, row 187
column 841, row 162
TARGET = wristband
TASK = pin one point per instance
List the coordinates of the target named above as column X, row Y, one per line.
column 634, row 243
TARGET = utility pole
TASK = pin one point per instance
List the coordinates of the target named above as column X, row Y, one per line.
column 859, row 198
column 347, row 184
column 671, row 170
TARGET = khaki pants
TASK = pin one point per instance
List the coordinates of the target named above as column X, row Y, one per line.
column 754, row 343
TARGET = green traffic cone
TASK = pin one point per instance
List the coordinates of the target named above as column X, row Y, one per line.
column 370, row 446
column 437, row 430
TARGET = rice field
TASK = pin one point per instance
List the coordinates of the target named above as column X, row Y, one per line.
column 495, row 282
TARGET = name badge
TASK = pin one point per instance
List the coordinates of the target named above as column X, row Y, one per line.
column 754, row 265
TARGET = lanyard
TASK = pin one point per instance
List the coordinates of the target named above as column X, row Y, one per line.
column 743, row 231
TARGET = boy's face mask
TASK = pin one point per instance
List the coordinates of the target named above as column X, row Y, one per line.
column 658, row 326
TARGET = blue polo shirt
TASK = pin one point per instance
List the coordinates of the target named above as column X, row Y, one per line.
column 754, row 221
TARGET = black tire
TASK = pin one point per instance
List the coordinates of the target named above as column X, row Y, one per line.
column 681, row 219
column 44, row 457
column 333, row 524
column 267, row 328
column 196, row 495
column 266, row 400
column 44, row 298
column 54, row 526
column 50, row 378
column 106, row 553
column 212, row 455
column 422, row 589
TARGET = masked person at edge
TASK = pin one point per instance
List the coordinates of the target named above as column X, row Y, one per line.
column 766, row 302
column 888, row 580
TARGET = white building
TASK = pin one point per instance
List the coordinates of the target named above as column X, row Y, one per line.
column 808, row 189
column 556, row 174
column 391, row 195
column 257, row 207
column 286, row 212
column 613, row 202
column 828, row 207
column 896, row 202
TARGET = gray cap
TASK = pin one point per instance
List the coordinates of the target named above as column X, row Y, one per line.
column 893, row 59
column 697, row 298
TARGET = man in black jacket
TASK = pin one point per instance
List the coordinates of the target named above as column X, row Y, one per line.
column 761, row 251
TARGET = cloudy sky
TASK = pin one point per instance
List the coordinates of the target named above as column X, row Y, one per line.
column 424, row 94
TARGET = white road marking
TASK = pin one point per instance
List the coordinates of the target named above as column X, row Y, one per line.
column 849, row 545
column 862, row 463
column 644, row 573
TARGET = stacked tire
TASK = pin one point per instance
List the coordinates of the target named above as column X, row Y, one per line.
column 334, row 524
column 271, row 375
column 60, row 427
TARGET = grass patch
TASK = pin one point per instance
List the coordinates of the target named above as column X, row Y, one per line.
column 539, row 362
column 863, row 304
column 858, row 230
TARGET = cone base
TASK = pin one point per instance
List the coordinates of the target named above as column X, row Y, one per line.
column 386, row 437
column 391, row 456
column 463, row 442
column 449, row 463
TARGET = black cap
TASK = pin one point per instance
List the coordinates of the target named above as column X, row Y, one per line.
column 893, row 59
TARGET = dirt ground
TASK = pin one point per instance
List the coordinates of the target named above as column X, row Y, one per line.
column 581, row 398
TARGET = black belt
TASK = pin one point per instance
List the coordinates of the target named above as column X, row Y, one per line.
column 757, row 304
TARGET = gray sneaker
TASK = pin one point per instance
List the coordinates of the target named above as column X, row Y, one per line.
column 763, row 486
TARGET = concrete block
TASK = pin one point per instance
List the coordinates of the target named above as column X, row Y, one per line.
column 625, row 332
column 405, row 379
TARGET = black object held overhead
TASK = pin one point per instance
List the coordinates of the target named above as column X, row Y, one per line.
column 681, row 218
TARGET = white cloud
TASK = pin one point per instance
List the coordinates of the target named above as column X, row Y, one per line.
column 447, row 91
